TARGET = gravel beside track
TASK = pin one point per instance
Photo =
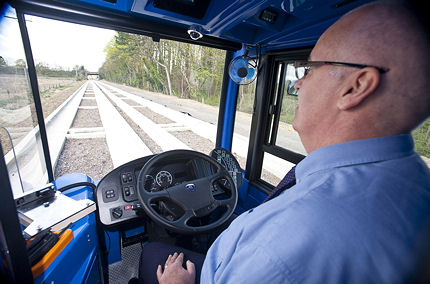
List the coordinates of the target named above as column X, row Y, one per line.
column 155, row 117
column 87, row 118
column 86, row 102
column 194, row 141
column 89, row 156
column 127, row 101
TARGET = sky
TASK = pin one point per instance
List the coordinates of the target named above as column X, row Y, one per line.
column 56, row 43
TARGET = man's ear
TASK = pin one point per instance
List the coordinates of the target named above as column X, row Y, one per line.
column 359, row 86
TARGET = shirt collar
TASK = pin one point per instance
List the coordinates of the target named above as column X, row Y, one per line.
column 356, row 152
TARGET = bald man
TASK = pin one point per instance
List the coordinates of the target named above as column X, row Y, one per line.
column 361, row 203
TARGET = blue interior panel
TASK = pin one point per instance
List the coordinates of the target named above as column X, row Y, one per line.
column 296, row 22
column 119, row 5
column 75, row 263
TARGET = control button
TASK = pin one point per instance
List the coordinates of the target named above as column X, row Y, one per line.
column 127, row 207
column 131, row 188
column 126, row 191
column 124, row 178
column 136, row 206
column 129, row 177
column 117, row 212
column 110, row 193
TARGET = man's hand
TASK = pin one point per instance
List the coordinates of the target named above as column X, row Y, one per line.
column 174, row 273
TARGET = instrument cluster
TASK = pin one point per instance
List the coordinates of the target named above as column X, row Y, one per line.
column 165, row 178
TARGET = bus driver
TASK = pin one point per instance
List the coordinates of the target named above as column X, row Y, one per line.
column 362, row 196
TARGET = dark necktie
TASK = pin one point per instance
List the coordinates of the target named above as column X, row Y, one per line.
column 288, row 181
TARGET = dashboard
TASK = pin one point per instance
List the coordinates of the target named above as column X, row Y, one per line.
column 117, row 193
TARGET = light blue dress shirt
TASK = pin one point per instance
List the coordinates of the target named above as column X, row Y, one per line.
column 355, row 215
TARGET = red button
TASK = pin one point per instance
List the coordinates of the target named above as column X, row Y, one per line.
column 127, row 207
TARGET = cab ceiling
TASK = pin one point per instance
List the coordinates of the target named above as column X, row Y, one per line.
column 272, row 24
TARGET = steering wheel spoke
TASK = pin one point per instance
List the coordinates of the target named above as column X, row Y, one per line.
column 217, row 176
column 224, row 202
column 182, row 221
column 159, row 194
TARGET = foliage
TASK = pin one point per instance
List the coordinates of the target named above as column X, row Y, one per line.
column 80, row 72
column 20, row 63
column 43, row 69
column 195, row 72
column 422, row 139
column 245, row 100
column 2, row 61
column 289, row 105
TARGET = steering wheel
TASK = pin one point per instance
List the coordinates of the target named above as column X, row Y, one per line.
column 195, row 197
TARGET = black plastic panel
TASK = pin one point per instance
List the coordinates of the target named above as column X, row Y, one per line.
column 192, row 8
column 116, row 193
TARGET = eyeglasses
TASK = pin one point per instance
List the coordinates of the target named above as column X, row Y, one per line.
column 303, row 67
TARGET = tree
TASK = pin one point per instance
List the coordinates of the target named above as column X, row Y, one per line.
column 80, row 72
column 76, row 68
column 20, row 63
column 184, row 70
column 2, row 61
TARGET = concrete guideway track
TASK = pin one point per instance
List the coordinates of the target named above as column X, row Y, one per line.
column 204, row 129
column 162, row 137
column 123, row 142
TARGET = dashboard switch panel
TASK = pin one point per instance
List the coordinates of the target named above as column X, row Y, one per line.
column 116, row 194
column 128, row 182
column 110, row 194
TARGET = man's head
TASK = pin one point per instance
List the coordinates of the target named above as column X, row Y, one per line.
column 342, row 103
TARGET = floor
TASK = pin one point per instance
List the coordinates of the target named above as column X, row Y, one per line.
column 123, row 271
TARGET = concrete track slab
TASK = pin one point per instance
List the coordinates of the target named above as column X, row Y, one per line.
column 274, row 165
column 124, row 144
column 162, row 137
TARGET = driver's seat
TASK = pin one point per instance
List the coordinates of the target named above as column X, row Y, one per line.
column 156, row 253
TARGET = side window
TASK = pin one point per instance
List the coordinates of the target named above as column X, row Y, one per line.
column 281, row 148
column 19, row 131
column 242, row 122
column 286, row 136
column 421, row 137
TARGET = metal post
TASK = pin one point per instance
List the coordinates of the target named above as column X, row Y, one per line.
column 35, row 90
column 230, row 102
column 224, row 89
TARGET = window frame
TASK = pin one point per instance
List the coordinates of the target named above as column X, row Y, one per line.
column 266, row 114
